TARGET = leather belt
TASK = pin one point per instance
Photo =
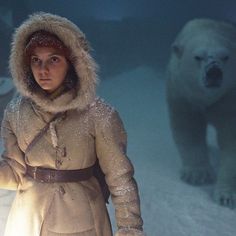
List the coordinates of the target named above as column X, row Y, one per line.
column 52, row 175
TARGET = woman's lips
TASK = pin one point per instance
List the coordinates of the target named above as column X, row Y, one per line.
column 45, row 79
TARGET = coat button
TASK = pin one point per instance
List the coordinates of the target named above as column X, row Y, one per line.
column 62, row 190
column 58, row 163
column 61, row 151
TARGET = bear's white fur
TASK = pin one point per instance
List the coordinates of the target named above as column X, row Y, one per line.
column 201, row 90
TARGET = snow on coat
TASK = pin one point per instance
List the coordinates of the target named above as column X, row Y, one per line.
column 88, row 129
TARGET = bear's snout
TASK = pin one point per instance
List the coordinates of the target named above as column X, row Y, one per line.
column 213, row 76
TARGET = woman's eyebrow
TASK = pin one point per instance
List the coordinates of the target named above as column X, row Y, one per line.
column 56, row 54
column 52, row 54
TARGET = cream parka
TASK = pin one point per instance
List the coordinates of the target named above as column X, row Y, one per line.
column 88, row 129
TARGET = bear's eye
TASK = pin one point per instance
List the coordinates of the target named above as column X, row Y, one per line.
column 198, row 58
column 225, row 58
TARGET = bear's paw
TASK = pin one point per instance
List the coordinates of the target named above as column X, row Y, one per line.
column 198, row 175
column 225, row 197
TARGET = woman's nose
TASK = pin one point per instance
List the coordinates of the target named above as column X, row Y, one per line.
column 44, row 67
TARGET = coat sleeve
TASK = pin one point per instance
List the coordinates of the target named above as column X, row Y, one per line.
column 111, row 151
column 12, row 166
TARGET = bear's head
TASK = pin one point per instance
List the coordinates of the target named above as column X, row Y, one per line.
column 204, row 57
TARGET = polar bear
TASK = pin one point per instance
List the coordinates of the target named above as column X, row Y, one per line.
column 201, row 90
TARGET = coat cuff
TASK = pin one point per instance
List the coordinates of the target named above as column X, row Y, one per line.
column 129, row 232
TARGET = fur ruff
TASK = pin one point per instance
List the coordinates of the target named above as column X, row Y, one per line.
column 84, row 64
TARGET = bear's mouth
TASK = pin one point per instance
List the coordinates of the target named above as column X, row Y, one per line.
column 213, row 76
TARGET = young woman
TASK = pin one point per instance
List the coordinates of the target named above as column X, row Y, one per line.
column 54, row 133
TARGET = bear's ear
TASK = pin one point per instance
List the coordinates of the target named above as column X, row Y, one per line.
column 177, row 49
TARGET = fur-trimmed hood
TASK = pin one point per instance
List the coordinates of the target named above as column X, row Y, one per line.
column 84, row 64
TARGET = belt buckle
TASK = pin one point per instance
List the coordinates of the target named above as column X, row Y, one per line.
column 50, row 177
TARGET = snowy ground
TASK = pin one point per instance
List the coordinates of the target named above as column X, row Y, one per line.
column 169, row 207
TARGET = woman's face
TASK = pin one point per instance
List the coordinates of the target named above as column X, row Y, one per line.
column 49, row 68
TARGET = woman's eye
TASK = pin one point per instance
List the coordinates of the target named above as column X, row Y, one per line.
column 35, row 60
column 54, row 59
